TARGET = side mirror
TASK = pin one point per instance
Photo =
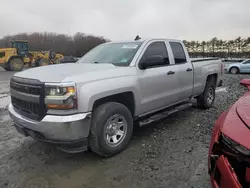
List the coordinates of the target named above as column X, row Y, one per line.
column 151, row 62
column 245, row 82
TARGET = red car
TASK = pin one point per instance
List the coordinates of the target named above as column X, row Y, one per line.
column 229, row 152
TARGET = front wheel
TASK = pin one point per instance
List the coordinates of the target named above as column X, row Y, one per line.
column 111, row 129
column 234, row 70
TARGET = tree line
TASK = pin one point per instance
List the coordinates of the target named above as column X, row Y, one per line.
column 76, row 45
column 80, row 43
column 237, row 48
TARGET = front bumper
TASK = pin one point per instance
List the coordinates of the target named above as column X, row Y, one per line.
column 223, row 174
column 71, row 130
column 228, row 168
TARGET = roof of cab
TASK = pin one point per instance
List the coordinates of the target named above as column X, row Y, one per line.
column 146, row 40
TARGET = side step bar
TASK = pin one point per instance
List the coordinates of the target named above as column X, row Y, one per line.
column 163, row 114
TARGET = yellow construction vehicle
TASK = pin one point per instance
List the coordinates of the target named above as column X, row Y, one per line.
column 42, row 58
column 18, row 56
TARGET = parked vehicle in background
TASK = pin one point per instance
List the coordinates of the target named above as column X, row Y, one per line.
column 94, row 102
column 235, row 68
column 68, row 59
column 232, row 60
column 229, row 153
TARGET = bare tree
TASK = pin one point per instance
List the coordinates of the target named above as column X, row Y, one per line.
column 76, row 45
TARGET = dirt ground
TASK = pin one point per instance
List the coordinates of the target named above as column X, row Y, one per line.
column 172, row 153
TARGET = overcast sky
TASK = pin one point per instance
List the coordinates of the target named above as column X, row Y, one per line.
column 124, row 19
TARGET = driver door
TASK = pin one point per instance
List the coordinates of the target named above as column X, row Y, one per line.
column 157, row 83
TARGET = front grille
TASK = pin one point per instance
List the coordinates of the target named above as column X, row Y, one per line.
column 26, row 108
column 239, row 164
column 33, row 110
column 34, row 90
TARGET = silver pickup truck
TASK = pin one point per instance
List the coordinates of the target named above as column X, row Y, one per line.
column 94, row 103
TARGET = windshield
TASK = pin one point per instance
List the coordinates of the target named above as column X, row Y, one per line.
column 247, row 61
column 119, row 54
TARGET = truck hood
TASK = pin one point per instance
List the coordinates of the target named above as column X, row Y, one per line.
column 72, row 72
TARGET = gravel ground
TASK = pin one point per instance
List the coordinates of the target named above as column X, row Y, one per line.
column 172, row 153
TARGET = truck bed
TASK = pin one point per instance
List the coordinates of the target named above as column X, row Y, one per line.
column 202, row 68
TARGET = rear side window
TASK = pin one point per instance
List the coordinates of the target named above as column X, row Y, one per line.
column 178, row 52
column 157, row 49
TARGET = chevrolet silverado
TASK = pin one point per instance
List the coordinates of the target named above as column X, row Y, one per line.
column 94, row 103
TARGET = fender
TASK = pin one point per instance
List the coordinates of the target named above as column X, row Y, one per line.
column 15, row 56
column 93, row 91
column 245, row 82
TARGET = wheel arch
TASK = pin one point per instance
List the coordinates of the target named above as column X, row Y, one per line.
column 15, row 57
column 125, row 98
column 234, row 67
column 212, row 78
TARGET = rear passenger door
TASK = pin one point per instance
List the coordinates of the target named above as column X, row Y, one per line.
column 184, row 71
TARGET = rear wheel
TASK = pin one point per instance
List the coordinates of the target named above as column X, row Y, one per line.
column 57, row 61
column 16, row 65
column 44, row 62
column 234, row 70
column 206, row 99
column 111, row 129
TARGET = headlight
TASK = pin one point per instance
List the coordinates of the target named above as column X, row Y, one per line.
column 234, row 145
column 60, row 96
column 56, row 91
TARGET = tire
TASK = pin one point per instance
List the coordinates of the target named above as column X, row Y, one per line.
column 44, row 62
column 206, row 99
column 234, row 70
column 57, row 61
column 16, row 65
column 100, row 139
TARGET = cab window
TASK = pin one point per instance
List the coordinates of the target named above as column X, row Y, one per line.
column 178, row 52
column 156, row 49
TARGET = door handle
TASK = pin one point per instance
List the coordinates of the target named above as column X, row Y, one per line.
column 170, row 72
column 189, row 69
